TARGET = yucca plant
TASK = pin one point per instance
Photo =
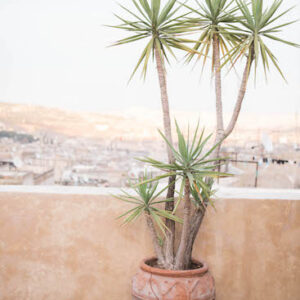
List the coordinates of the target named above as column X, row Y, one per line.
column 161, row 26
column 193, row 166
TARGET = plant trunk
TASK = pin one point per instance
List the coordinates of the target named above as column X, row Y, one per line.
column 181, row 263
column 169, row 206
column 241, row 94
column 196, row 222
column 218, row 90
column 157, row 246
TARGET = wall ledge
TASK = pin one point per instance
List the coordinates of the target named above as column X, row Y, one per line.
column 223, row 192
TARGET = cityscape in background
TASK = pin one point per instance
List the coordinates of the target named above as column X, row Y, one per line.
column 49, row 146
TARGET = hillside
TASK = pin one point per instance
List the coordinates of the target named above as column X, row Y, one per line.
column 135, row 123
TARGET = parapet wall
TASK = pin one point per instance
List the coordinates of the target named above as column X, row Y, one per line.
column 65, row 243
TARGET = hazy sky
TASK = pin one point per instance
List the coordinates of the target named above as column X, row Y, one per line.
column 53, row 52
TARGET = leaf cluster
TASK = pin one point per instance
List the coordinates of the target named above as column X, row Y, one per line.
column 213, row 18
column 240, row 26
column 162, row 26
column 192, row 163
column 145, row 200
column 256, row 25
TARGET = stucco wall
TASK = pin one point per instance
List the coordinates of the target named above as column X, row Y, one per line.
column 63, row 244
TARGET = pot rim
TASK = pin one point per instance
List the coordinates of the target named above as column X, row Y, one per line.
column 174, row 273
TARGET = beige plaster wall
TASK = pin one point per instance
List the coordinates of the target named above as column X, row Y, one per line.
column 69, row 246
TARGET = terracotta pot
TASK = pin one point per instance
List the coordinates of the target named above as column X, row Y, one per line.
column 157, row 284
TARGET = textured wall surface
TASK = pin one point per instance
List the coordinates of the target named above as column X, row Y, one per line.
column 64, row 246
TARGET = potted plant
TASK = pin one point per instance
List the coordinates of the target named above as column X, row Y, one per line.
column 173, row 274
column 194, row 170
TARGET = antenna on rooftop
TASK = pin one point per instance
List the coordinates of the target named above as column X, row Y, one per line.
column 297, row 139
column 267, row 142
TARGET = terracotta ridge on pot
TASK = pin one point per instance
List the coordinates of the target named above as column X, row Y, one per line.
column 174, row 273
